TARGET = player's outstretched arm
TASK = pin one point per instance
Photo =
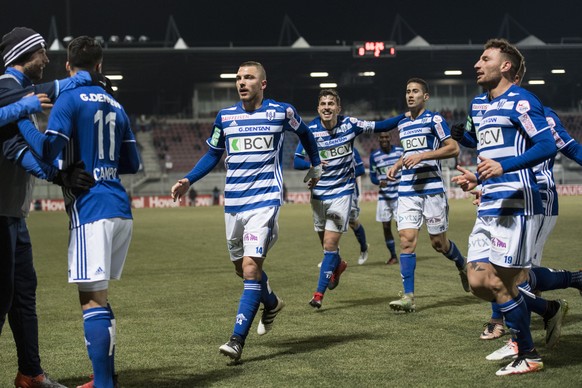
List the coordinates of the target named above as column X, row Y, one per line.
column 24, row 107
column 180, row 189
column 203, row 167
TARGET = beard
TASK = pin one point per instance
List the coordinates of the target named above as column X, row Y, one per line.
column 34, row 72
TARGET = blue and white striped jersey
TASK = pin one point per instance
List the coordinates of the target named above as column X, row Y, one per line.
column 95, row 125
column 336, row 148
column 543, row 171
column 506, row 129
column 426, row 133
column 380, row 163
column 254, row 146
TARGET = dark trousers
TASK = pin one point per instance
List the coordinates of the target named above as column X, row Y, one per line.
column 18, row 292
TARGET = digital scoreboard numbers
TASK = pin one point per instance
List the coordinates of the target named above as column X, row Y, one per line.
column 374, row 49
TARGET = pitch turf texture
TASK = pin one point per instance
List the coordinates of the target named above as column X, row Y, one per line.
column 178, row 298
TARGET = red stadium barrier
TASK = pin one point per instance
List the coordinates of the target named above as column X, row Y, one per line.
column 166, row 201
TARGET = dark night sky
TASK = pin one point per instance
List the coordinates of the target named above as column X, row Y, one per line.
column 258, row 23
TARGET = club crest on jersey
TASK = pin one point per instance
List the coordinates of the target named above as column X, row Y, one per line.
column 250, row 144
column 270, row 113
column 523, row 106
column 501, row 103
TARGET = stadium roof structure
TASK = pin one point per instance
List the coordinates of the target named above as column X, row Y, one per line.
column 161, row 79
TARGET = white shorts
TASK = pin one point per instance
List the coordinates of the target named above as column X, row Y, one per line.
column 355, row 209
column 413, row 211
column 331, row 214
column 506, row 241
column 97, row 251
column 548, row 223
column 251, row 233
column 387, row 210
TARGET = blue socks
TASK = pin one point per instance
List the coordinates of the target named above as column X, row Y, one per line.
column 100, row 341
column 268, row 297
column 247, row 308
column 330, row 262
column 496, row 311
column 391, row 247
column 455, row 255
column 545, row 279
column 361, row 236
column 517, row 318
column 534, row 304
column 407, row 267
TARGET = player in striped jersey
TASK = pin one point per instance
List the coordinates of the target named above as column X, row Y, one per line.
column 87, row 125
column 331, row 197
column 513, row 137
column 426, row 139
column 539, row 278
column 300, row 162
column 252, row 133
column 381, row 161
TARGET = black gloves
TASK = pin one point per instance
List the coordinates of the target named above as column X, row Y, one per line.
column 75, row 177
column 100, row 80
column 458, row 131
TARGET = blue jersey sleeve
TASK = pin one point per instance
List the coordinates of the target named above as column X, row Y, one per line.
column 565, row 143
column 129, row 160
column 440, row 127
column 388, row 124
column 373, row 173
column 299, row 161
column 45, row 146
column 18, row 109
column 360, row 169
column 208, row 161
column 529, row 115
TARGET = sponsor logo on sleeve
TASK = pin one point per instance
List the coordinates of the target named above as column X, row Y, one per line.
column 215, row 137
column 560, row 143
column 528, row 125
column 522, row 106
column 440, row 130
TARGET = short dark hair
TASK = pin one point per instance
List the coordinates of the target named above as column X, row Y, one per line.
column 258, row 65
column 420, row 81
column 330, row 92
column 84, row 52
column 510, row 52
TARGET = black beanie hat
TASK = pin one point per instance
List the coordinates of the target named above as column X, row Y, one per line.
column 20, row 41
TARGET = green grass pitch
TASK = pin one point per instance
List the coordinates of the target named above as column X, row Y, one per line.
column 178, row 298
